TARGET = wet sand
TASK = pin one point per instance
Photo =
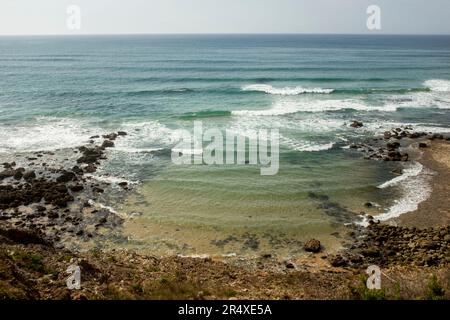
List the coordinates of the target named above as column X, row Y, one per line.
column 435, row 211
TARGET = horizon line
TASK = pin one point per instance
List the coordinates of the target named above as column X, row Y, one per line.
column 219, row 33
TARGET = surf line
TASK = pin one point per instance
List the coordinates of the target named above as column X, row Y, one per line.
column 231, row 148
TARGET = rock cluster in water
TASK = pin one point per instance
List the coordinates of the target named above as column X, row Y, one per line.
column 389, row 147
column 54, row 199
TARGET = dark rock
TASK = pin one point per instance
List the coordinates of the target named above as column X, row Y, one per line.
column 76, row 188
column 393, row 145
column 123, row 184
column 121, row 133
column 111, row 136
column 312, row 245
column 356, row 124
column 98, row 190
column 90, row 168
column 423, row 145
column 19, row 173
column 437, row 136
column 337, row 260
column 289, row 265
column 368, row 205
column 29, row 175
column 23, row 236
column 77, row 170
column 41, row 208
column 66, row 176
column 8, row 165
column 107, row 144
column 370, row 253
column 6, row 174
column 53, row 215
column 90, row 155
column 33, row 192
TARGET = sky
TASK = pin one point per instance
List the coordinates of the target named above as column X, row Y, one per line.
column 40, row 17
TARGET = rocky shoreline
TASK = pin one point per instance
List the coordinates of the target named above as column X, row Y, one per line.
column 58, row 198
column 48, row 207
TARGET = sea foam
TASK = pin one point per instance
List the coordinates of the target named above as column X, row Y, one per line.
column 415, row 188
column 306, row 146
column 45, row 134
column 412, row 171
column 286, row 91
column 289, row 107
column 438, row 85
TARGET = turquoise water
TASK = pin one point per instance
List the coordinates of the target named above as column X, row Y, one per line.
column 55, row 92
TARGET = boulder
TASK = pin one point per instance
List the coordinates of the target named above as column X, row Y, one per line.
column 66, row 176
column 356, row 124
column 107, row 144
column 76, row 188
column 337, row 260
column 111, row 136
column 90, row 168
column 393, row 145
column 29, row 175
column 312, row 245
column 6, row 174
column 19, row 173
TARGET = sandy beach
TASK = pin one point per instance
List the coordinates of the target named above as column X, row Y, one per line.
column 435, row 211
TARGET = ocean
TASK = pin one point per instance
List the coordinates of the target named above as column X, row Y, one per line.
column 56, row 92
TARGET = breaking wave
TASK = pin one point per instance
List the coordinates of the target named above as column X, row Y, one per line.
column 287, row 91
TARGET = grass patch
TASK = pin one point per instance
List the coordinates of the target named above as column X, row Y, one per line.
column 30, row 261
column 435, row 291
column 361, row 292
column 167, row 288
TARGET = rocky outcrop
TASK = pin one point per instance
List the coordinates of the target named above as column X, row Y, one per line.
column 312, row 245
column 389, row 245
column 37, row 197
column 38, row 190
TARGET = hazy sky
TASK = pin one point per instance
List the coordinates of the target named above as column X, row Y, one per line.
column 223, row 16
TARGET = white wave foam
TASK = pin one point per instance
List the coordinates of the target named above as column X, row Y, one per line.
column 110, row 209
column 44, row 134
column 289, row 107
column 110, row 179
column 306, row 146
column 149, row 133
column 438, row 98
column 378, row 128
column 438, row 85
column 137, row 150
column 188, row 151
column 414, row 170
column 287, row 91
column 430, row 128
column 415, row 189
